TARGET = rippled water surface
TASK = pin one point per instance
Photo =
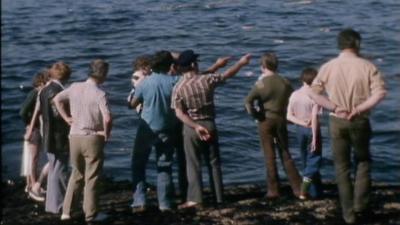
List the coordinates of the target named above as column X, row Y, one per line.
column 303, row 33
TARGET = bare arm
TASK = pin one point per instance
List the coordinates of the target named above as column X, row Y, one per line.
column 315, row 128
column 201, row 131
column 107, row 124
column 35, row 116
column 238, row 65
column 221, row 62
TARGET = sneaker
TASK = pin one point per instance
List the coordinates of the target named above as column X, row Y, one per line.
column 164, row 210
column 100, row 217
column 189, row 205
column 303, row 196
column 65, row 217
column 36, row 196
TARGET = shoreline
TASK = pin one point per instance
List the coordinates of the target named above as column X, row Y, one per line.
column 244, row 204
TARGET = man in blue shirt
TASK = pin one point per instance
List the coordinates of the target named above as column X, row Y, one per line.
column 155, row 130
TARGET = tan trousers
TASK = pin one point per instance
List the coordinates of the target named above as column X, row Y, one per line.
column 86, row 153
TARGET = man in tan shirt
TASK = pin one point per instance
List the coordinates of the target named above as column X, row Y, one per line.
column 353, row 86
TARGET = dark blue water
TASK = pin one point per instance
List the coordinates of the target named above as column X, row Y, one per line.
column 303, row 33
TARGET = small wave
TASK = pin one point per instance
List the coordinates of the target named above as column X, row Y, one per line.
column 305, row 2
column 325, row 29
column 278, row 41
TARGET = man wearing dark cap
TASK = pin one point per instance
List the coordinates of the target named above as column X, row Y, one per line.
column 194, row 106
column 90, row 123
column 156, row 129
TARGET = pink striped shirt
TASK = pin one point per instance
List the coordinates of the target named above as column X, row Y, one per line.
column 88, row 104
column 300, row 105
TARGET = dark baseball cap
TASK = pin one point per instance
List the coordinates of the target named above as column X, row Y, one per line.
column 186, row 58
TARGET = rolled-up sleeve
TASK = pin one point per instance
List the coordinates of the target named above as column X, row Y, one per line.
column 177, row 101
column 377, row 83
column 215, row 79
column 318, row 85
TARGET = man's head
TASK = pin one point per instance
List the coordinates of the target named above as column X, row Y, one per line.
column 98, row 70
column 187, row 61
column 308, row 75
column 349, row 39
column 162, row 62
column 143, row 64
column 269, row 61
column 60, row 71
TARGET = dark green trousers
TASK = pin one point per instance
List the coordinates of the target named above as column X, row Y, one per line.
column 345, row 137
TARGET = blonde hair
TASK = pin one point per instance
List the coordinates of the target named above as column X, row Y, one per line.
column 60, row 71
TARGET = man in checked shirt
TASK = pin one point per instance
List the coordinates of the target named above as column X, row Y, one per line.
column 194, row 106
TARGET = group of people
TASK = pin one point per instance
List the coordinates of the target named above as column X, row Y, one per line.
column 175, row 104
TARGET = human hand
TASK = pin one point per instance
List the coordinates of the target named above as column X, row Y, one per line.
column 307, row 123
column 355, row 112
column 245, row 59
column 203, row 133
column 68, row 119
column 341, row 112
column 28, row 135
column 313, row 145
column 102, row 133
column 221, row 62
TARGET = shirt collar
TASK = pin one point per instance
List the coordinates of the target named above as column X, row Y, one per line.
column 91, row 81
column 189, row 75
column 58, row 82
column 347, row 54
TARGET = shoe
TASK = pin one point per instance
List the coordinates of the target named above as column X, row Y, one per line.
column 100, row 217
column 305, row 186
column 189, row 205
column 303, row 196
column 138, row 209
column 65, row 217
column 165, row 210
column 36, row 196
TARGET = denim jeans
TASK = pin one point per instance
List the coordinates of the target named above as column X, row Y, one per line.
column 311, row 161
column 145, row 140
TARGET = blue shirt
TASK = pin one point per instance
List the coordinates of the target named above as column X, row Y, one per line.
column 155, row 92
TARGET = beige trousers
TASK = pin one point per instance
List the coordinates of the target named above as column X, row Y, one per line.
column 86, row 154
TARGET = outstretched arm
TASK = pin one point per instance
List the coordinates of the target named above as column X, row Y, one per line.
column 221, row 62
column 238, row 65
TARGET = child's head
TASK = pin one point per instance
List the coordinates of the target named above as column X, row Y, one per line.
column 60, row 71
column 41, row 78
column 308, row 75
column 143, row 64
column 269, row 61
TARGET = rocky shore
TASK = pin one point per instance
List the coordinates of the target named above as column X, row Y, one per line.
column 244, row 204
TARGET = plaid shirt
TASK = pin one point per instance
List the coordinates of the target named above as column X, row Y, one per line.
column 195, row 95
